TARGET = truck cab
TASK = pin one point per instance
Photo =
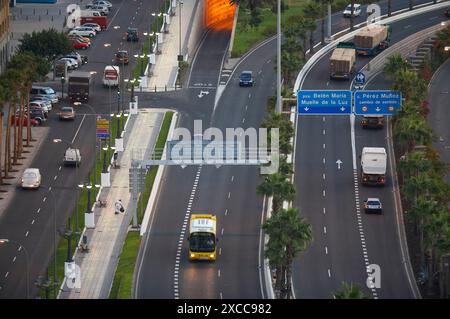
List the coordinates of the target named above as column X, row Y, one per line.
column 202, row 237
column 372, row 121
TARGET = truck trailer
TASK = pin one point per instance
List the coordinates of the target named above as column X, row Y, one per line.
column 372, row 39
column 373, row 166
column 342, row 63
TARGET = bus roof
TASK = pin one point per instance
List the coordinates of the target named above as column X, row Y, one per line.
column 203, row 223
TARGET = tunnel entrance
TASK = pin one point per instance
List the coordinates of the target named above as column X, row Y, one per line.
column 219, row 14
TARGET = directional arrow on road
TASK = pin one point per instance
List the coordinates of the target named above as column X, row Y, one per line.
column 202, row 93
column 339, row 162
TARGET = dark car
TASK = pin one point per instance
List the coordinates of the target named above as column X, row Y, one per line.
column 132, row 35
column 372, row 121
column 36, row 114
column 447, row 12
column 373, row 205
column 246, row 78
column 122, row 57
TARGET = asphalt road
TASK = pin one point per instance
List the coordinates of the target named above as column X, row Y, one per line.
column 327, row 197
column 439, row 115
column 29, row 218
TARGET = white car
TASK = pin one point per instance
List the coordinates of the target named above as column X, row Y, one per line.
column 356, row 10
column 104, row 11
column 99, row 3
column 92, row 25
column 84, row 32
column 72, row 63
column 31, row 178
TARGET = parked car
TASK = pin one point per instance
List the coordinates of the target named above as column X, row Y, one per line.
column 447, row 12
column 47, row 103
column 104, row 11
column 38, row 114
column 79, row 45
column 373, row 205
column 72, row 157
column 83, row 32
column 100, row 3
column 246, row 78
column 132, row 35
column 356, row 10
column 44, row 91
column 66, row 113
column 31, row 178
column 122, row 57
column 87, row 29
column 39, row 104
column 72, row 63
column 79, row 37
column 76, row 56
column 92, row 25
column 24, row 121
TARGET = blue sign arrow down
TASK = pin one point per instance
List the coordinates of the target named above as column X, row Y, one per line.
column 324, row 102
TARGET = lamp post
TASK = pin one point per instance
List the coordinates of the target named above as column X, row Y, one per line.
column 88, row 186
column 63, row 80
column 27, row 257
column 279, row 100
column 180, row 4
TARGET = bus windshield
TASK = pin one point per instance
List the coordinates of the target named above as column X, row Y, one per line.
column 202, row 242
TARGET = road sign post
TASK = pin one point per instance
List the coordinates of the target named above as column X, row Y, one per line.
column 324, row 102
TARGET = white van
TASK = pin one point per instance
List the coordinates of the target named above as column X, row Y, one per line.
column 111, row 76
column 72, row 157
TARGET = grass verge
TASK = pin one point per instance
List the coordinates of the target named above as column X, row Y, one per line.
column 123, row 278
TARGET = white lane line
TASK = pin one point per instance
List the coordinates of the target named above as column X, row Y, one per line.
column 323, row 176
column 249, row 95
column 54, row 178
column 246, row 107
column 32, row 222
column 14, row 259
column 220, row 251
column 221, row 232
column 326, row 250
column 243, row 120
column 226, row 212
column 324, row 146
column 329, row 273
column 45, row 198
column 39, row 209
column 26, row 234
column 6, row 275
column 79, row 127
column 59, row 168
column 20, row 248
column 323, row 118
column 323, row 132
column 324, row 229
column 229, row 194
column 323, row 160
column 323, row 193
column 324, row 211
column 232, row 178
column 218, row 273
column 221, row 296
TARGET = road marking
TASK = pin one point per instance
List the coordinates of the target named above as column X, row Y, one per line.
column 232, row 178
column 323, row 118
column 323, row 193
column 324, row 229
column 221, row 232
column 249, row 95
column 14, row 259
column 229, row 194
column 323, row 132
column 54, row 178
column 26, row 234
column 6, row 275
column 329, row 273
column 39, row 209
column 408, row 26
column 324, row 210
column 328, row 83
column 326, row 250
column 79, row 127
column 220, row 251
column 218, row 273
column 60, row 168
column 20, row 248
column 246, row 107
column 323, row 176
column 32, row 222
column 243, row 120
column 45, row 198
column 323, row 160
column 226, row 212
column 323, row 145
column 221, row 296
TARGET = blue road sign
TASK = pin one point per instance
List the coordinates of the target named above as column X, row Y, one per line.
column 324, row 102
column 360, row 78
column 102, row 135
column 377, row 102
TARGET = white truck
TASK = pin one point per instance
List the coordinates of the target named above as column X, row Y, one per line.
column 373, row 166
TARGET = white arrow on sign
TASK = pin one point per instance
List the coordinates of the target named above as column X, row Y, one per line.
column 378, row 109
column 202, row 93
column 339, row 162
column 306, row 109
column 342, row 109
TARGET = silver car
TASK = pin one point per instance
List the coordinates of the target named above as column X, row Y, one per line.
column 46, row 103
column 31, row 178
column 44, row 91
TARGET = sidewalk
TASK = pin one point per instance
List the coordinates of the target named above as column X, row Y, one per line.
column 163, row 74
column 106, row 239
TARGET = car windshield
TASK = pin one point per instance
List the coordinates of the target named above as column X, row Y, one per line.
column 66, row 109
column 202, row 242
column 121, row 54
column 372, row 202
column 49, row 91
column 29, row 175
column 246, row 76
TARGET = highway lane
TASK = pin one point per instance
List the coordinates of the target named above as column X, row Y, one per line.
column 28, row 212
column 344, row 253
column 439, row 115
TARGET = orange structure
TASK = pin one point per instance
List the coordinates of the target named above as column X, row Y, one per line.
column 219, row 14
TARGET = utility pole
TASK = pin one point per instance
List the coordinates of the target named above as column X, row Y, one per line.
column 279, row 99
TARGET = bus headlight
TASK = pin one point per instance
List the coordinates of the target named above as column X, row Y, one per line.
column 211, row 256
column 192, row 255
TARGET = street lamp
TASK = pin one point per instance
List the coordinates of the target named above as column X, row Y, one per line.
column 88, row 186
column 105, row 149
column 63, row 80
column 27, row 257
column 133, row 82
column 180, row 3
column 157, row 20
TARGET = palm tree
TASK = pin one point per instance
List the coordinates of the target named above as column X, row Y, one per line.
column 412, row 129
column 350, row 291
column 394, row 64
column 277, row 186
column 289, row 234
column 413, row 163
column 312, row 12
column 411, row 85
column 286, row 130
column 323, row 14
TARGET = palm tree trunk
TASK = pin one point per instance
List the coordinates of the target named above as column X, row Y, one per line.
column 278, row 281
column 430, row 272
column 351, row 14
column 389, row 7
column 21, row 114
column 15, row 155
column 29, row 137
column 311, row 42
column 7, row 163
column 322, row 40
column 288, row 268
